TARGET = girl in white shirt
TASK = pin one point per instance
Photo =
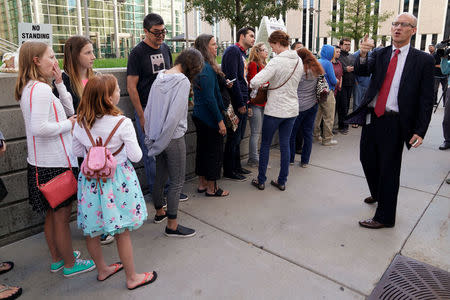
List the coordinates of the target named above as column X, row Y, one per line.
column 113, row 206
column 37, row 67
column 78, row 61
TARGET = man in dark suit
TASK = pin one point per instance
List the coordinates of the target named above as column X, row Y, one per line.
column 396, row 109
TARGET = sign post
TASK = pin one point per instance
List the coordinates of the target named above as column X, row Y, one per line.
column 35, row 32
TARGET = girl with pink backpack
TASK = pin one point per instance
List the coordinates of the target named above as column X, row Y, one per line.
column 110, row 199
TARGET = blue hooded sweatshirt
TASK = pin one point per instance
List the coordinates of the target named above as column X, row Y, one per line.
column 326, row 54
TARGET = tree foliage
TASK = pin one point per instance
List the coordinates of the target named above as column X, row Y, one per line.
column 241, row 13
column 356, row 18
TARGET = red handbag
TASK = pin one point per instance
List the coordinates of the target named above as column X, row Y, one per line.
column 64, row 185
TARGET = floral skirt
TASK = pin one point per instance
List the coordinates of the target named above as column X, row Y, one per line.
column 113, row 206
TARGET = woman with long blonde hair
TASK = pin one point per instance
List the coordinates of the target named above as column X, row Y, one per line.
column 48, row 132
column 256, row 62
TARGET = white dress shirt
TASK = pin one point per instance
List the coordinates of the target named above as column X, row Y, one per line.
column 392, row 99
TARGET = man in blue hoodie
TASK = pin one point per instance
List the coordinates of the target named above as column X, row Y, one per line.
column 326, row 109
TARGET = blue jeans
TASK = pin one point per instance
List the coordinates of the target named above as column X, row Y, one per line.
column 256, row 121
column 149, row 161
column 305, row 120
column 270, row 126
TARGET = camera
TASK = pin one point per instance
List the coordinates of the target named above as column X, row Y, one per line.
column 443, row 49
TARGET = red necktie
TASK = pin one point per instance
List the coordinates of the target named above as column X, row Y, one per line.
column 384, row 91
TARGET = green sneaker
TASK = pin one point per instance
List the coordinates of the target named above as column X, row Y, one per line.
column 80, row 266
column 56, row 266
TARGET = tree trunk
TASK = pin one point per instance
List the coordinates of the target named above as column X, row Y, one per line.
column 238, row 15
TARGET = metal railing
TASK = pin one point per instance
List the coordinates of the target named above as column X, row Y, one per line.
column 7, row 46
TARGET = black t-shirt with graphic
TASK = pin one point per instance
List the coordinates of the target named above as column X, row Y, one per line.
column 145, row 62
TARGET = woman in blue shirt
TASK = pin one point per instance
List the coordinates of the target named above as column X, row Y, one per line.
column 208, row 119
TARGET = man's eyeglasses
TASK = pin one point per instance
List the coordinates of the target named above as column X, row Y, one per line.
column 402, row 24
column 159, row 33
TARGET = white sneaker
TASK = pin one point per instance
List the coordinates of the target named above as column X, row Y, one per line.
column 330, row 143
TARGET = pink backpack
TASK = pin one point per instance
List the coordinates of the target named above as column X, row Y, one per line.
column 100, row 163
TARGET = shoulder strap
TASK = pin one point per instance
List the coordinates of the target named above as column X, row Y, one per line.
column 88, row 132
column 295, row 68
column 113, row 131
column 118, row 150
column 34, row 140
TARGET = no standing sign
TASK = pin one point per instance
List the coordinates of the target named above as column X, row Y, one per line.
column 35, row 32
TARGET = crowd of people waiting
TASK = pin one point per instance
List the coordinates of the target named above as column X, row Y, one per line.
column 69, row 113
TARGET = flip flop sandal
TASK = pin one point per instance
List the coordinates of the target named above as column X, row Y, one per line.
column 281, row 187
column 219, row 193
column 2, row 264
column 260, row 186
column 8, row 288
column 201, row 191
column 118, row 267
column 146, row 281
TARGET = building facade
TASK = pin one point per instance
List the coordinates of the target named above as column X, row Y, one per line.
column 115, row 26
column 309, row 24
column 106, row 18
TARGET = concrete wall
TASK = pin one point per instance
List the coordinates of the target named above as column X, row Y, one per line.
column 17, row 220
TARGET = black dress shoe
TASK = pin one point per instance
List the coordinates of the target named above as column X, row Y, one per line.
column 372, row 224
column 444, row 146
column 243, row 171
column 235, row 177
column 370, row 200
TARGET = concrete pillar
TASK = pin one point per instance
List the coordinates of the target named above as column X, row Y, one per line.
column 195, row 22
column 234, row 35
column 186, row 27
column 306, row 42
column 8, row 21
column 145, row 8
column 86, row 18
column 174, row 31
column 20, row 11
column 79, row 19
column 116, row 29
column 36, row 17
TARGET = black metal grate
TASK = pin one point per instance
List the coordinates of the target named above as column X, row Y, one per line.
column 407, row 278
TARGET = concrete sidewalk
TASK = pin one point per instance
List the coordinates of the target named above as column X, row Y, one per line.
column 304, row 243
